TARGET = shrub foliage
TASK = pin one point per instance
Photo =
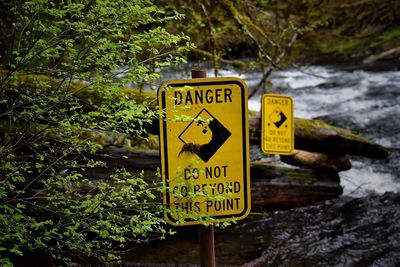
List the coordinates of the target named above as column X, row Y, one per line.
column 51, row 52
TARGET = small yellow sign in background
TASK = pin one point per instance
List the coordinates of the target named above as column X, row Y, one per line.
column 204, row 147
column 277, row 124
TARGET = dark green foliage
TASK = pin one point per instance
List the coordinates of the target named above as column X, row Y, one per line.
column 278, row 32
column 351, row 28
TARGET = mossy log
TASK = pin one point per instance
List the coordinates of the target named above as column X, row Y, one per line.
column 319, row 136
column 316, row 135
column 386, row 55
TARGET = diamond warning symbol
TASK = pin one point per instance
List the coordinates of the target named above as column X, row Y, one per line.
column 204, row 135
column 277, row 117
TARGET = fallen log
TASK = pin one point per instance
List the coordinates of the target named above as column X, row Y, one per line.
column 319, row 136
column 388, row 54
column 316, row 135
column 277, row 187
column 317, row 161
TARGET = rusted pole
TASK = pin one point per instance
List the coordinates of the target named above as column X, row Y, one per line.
column 207, row 247
column 206, row 233
column 199, row 73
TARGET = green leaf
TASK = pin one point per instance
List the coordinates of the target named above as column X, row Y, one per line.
column 104, row 233
column 16, row 251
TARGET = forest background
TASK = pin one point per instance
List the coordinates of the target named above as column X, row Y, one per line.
column 65, row 67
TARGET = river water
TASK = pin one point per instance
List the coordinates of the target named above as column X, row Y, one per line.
column 365, row 101
column 361, row 228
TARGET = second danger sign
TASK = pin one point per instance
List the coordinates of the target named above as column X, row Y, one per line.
column 277, row 124
column 204, row 150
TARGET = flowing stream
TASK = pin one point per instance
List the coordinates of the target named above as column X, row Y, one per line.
column 361, row 228
column 364, row 101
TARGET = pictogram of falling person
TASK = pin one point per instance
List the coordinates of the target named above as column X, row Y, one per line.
column 277, row 117
column 204, row 136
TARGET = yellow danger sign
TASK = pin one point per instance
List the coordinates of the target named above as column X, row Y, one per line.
column 204, row 150
column 277, row 124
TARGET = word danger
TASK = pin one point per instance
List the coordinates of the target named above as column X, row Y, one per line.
column 208, row 96
column 281, row 102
